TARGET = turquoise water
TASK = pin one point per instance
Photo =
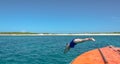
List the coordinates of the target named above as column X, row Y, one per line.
column 47, row 49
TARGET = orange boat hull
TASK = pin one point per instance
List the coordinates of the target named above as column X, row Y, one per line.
column 111, row 55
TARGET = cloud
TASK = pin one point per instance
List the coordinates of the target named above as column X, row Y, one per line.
column 23, row 30
column 116, row 19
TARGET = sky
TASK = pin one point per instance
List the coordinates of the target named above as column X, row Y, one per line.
column 60, row 16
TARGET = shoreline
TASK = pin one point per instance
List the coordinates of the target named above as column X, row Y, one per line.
column 59, row 34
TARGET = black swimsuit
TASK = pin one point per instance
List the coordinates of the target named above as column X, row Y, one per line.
column 72, row 44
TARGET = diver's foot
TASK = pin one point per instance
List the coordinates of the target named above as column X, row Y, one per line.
column 92, row 39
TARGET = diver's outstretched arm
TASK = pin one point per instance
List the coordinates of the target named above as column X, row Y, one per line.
column 67, row 48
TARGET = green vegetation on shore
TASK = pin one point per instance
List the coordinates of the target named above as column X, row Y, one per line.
column 101, row 33
column 62, row 33
column 17, row 33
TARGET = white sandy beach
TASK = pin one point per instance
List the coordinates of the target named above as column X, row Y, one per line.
column 59, row 34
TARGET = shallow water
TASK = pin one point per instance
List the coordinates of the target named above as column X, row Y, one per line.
column 47, row 49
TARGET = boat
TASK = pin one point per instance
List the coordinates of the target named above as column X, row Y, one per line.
column 105, row 55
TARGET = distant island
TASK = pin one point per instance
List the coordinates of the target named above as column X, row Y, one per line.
column 55, row 34
column 17, row 33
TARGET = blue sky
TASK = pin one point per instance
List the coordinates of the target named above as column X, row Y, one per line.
column 60, row 16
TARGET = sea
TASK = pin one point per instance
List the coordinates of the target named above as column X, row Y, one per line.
column 47, row 49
